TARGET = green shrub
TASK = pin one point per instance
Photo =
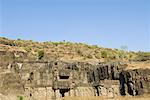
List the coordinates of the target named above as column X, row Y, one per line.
column 116, row 56
column 40, row 54
column 104, row 54
column 80, row 52
column 143, row 56
column 19, row 39
column 20, row 97
column 89, row 56
column 124, row 54
column 28, row 49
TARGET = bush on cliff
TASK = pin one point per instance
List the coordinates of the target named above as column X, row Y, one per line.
column 40, row 54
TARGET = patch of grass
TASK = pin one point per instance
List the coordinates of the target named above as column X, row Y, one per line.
column 143, row 56
column 28, row 49
column 20, row 98
column 104, row 54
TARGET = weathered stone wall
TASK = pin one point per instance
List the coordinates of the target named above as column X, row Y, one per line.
column 135, row 82
column 50, row 80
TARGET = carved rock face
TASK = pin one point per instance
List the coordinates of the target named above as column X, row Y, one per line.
column 137, row 81
column 55, row 79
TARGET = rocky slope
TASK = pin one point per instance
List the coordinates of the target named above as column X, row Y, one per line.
column 49, row 71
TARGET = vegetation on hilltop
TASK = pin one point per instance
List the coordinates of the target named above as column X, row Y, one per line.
column 72, row 51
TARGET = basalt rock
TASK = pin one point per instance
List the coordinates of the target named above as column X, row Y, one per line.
column 46, row 80
column 137, row 81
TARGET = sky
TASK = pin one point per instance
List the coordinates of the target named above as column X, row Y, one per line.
column 106, row 23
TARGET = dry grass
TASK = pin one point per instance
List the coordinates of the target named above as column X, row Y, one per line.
column 137, row 65
column 70, row 51
column 145, row 97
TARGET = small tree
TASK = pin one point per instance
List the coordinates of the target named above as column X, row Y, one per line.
column 124, row 47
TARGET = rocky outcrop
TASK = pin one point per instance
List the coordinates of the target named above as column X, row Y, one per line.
column 137, row 81
column 46, row 80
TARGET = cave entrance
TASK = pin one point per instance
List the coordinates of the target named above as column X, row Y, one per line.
column 64, row 77
column 63, row 91
column 122, row 83
column 97, row 91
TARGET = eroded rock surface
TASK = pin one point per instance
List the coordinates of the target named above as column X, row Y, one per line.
column 51, row 80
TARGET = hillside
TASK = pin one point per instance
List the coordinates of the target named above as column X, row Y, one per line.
column 69, row 51
column 55, row 70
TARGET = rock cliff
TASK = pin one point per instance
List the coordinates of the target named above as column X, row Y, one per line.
column 52, row 79
column 39, row 80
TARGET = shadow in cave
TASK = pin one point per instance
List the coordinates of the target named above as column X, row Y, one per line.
column 122, row 83
column 63, row 91
column 96, row 87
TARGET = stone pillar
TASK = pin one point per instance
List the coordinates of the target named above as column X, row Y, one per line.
column 66, row 94
column 72, row 92
column 57, row 95
column 50, row 93
column 110, row 92
column 126, row 90
column 38, row 78
column 103, row 91
column 85, row 80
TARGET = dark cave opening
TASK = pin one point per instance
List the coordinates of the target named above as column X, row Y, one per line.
column 122, row 83
column 141, row 85
column 93, row 76
column 97, row 91
column 112, row 73
column 63, row 91
column 64, row 77
column 30, row 95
